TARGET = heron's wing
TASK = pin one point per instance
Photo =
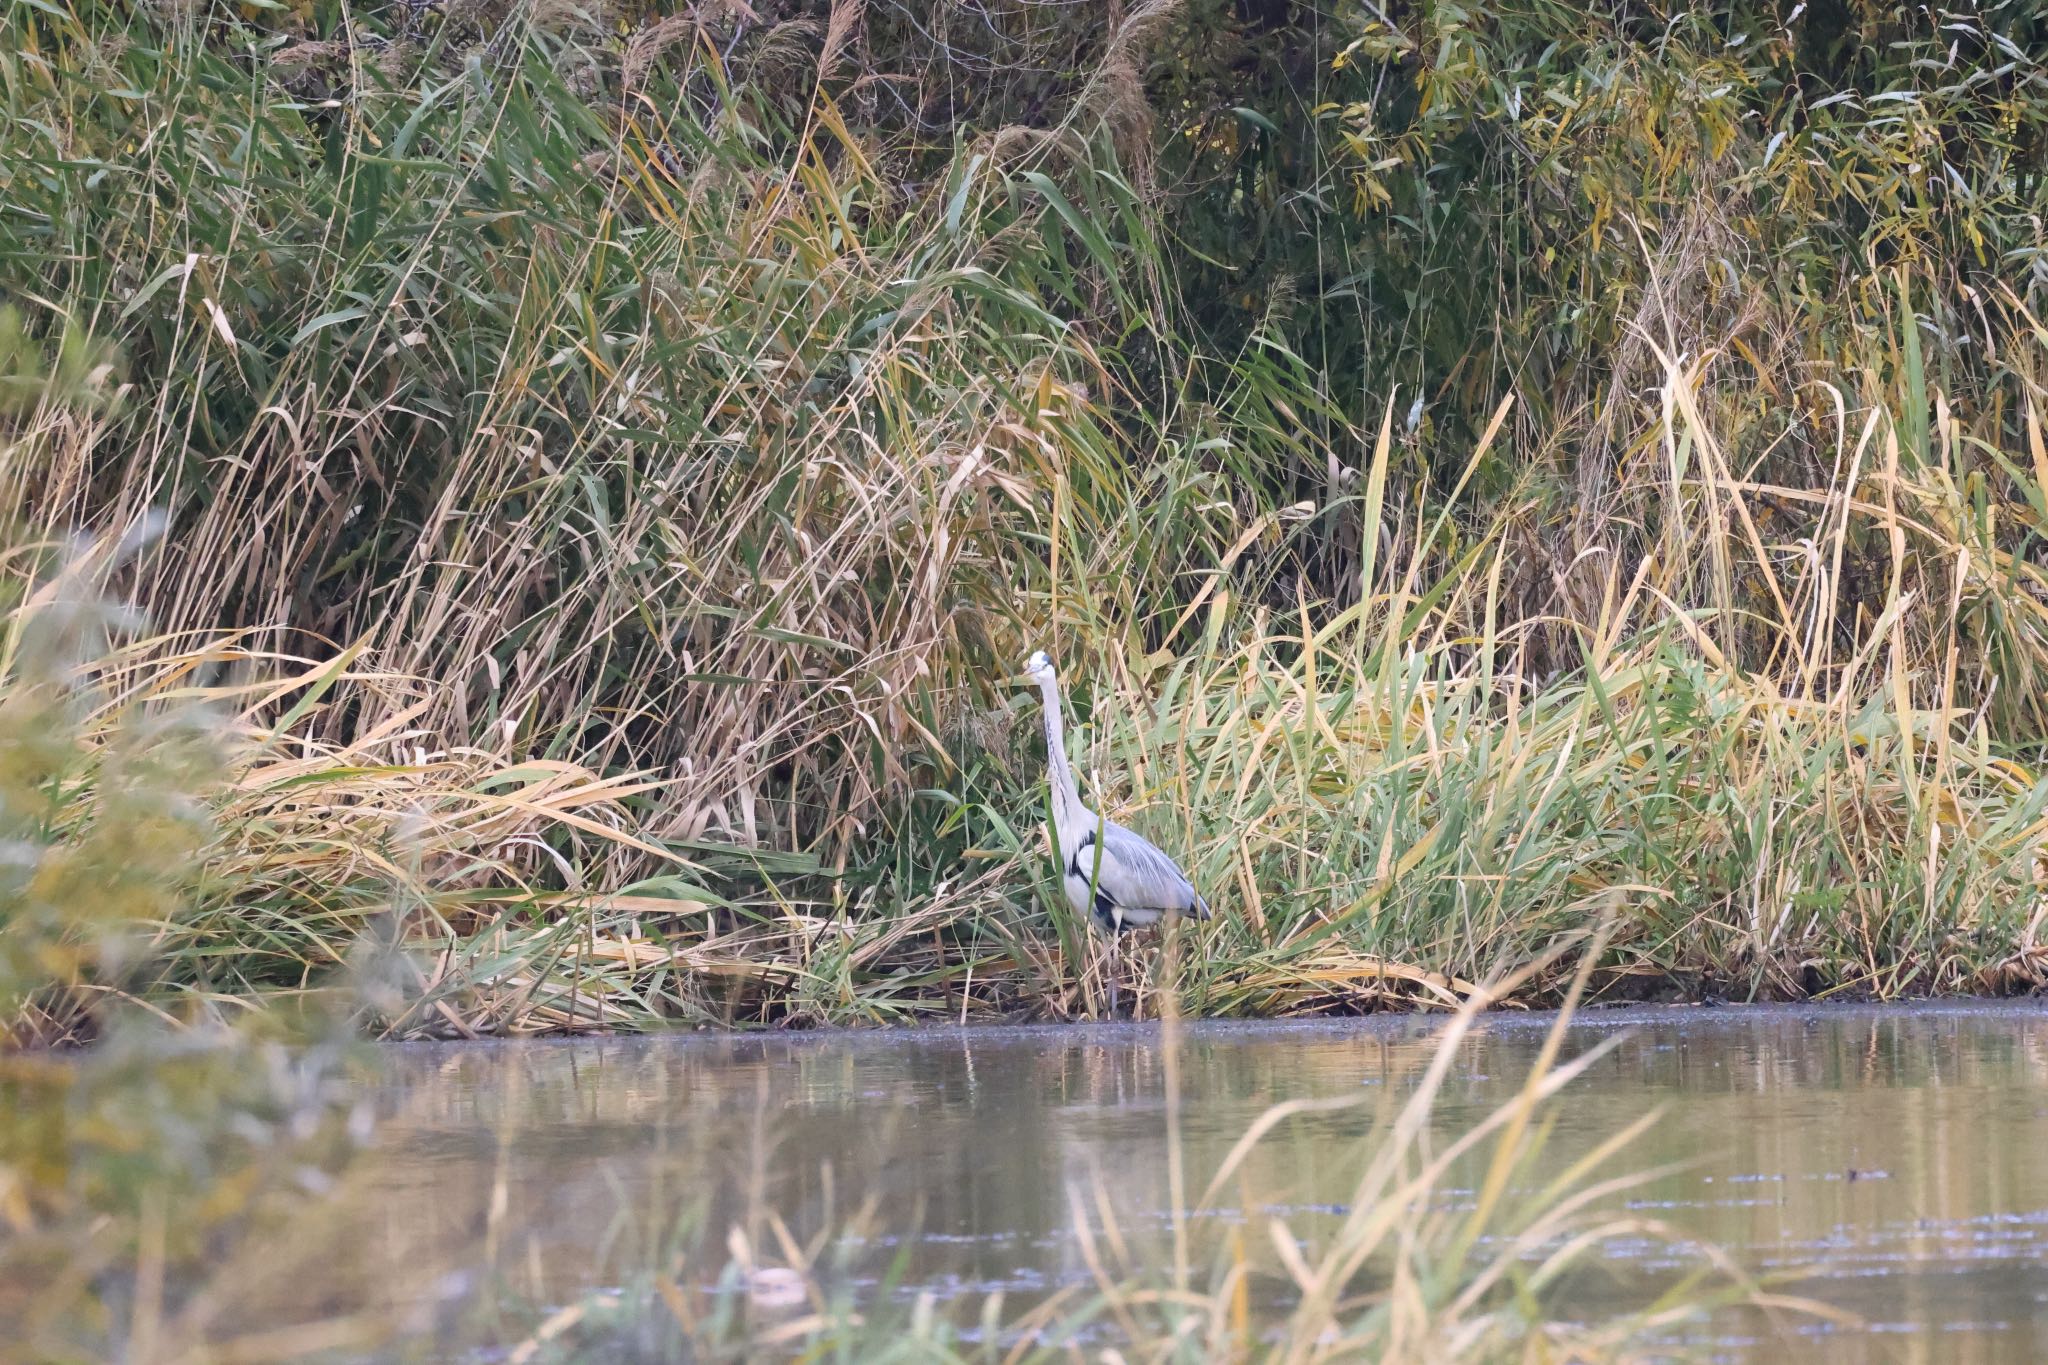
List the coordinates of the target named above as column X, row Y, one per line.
column 1138, row 876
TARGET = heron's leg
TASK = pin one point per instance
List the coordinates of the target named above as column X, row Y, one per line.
column 1111, row 959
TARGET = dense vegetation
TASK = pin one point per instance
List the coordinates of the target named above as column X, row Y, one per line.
column 1480, row 467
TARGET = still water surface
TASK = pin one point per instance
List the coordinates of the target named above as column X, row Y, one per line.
column 1899, row 1155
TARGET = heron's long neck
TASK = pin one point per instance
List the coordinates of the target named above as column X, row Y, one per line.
column 1066, row 797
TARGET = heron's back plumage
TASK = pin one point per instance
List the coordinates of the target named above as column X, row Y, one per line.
column 1131, row 884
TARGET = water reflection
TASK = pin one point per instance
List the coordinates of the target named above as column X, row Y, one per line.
column 1901, row 1150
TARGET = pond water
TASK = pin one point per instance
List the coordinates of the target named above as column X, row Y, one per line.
column 1898, row 1156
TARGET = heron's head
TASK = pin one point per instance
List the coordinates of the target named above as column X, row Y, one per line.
column 1039, row 668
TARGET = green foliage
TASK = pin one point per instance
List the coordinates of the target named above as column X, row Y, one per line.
column 1457, row 197
column 128, row 1176
column 99, row 829
column 1483, row 470
column 102, row 834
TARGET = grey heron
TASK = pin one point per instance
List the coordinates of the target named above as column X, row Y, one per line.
column 1119, row 878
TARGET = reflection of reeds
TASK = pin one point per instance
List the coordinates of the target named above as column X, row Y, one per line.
column 1425, row 1261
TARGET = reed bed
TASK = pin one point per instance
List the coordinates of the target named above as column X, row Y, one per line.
column 609, row 467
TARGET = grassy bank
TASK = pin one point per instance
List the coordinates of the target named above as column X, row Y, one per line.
column 611, row 465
